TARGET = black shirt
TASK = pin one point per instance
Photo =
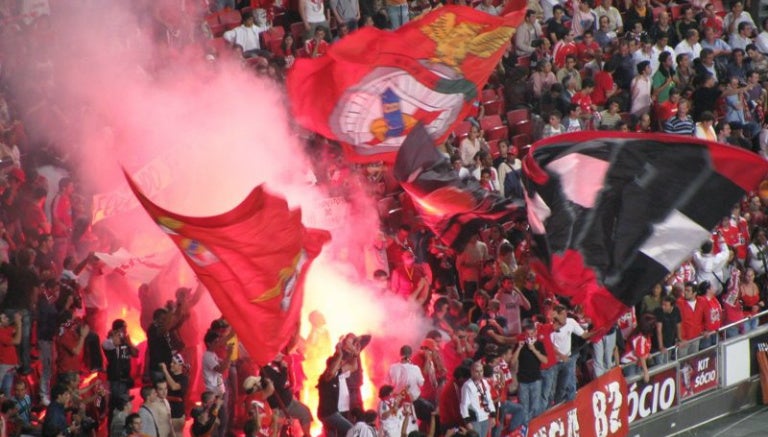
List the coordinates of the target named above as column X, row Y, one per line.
column 705, row 99
column 669, row 323
column 158, row 348
column 176, row 397
column 118, row 361
column 529, row 369
column 278, row 373
column 22, row 282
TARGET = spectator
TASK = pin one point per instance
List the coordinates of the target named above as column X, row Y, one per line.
column 639, row 349
column 681, row 123
column 120, row 352
column 705, row 129
column 346, row 12
column 713, row 315
column 565, row 369
column 530, row 354
column 690, row 45
column 692, row 312
column 247, row 36
column 737, row 16
column 317, row 46
column 606, row 9
column 476, row 405
column 528, row 32
column 668, row 328
column 641, row 90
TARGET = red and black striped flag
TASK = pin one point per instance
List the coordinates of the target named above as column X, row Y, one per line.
column 612, row 215
column 452, row 208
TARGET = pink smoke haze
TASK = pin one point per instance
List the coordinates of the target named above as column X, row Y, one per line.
column 219, row 130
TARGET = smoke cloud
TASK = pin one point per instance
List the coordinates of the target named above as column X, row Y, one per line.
column 96, row 85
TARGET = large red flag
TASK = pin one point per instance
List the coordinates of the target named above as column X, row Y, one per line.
column 373, row 86
column 253, row 260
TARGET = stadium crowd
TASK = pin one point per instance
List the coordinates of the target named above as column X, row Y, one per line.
column 501, row 349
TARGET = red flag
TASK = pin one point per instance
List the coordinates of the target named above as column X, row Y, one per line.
column 374, row 86
column 253, row 260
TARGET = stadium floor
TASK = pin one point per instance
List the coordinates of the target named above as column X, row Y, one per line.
column 748, row 423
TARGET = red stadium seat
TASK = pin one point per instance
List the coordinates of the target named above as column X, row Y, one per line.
column 657, row 11
column 489, row 95
column 522, row 127
column 230, row 18
column 493, row 107
column 517, row 115
column 523, row 151
column 493, row 146
column 220, row 46
column 497, row 133
column 212, row 19
column 675, row 11
column 217, row 29
column 274, row 45
column 490, row 122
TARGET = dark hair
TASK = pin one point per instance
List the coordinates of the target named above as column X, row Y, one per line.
column 406, row 351
column 529, row 12
column 462, row 372
column 743, row 25
column 706, row 247
column 385, row 390
column 706, row 116
column 642, row 66
column 211, row 337
column 146, row 391
column 588, row 82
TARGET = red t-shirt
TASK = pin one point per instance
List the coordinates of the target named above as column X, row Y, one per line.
column 584, row 101
column 66, row 361
column 693, row 319
column 603, row 84
column 544, row 335
column 585, row 51
column 638, row 346
column 735, row 235
column 563, row 49
column 666, row 110
column 713, row 316
column 7, row 348
column 321, row 49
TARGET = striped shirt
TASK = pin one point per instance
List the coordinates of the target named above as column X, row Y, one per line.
column 678, row 126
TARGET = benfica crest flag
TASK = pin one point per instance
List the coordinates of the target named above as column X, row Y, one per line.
column 612, row 216
column 452, row 208
column 372, row 87
column 253, row 260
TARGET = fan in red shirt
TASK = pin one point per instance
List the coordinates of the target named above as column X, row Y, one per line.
column 583, row 98
column 563, row 48
column 668, row 108
column 587, row 48
column 10, row 337
column 639, row 347
column 735, row 232
column 713, row 314
column 69, row 345
column 605, row 87
column 692, row 312
column 450, row 397
column 317, row 46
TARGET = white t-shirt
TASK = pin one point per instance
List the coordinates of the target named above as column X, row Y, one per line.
column 343, row 403
column 408, row 376
column 561, row 338
column 213, row 380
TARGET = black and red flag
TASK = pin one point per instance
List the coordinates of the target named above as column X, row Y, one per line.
column 612, row 215
column 452, row 208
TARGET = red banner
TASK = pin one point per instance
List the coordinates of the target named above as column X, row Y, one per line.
column 659, row 394
column 599, row 410
column 698, row 374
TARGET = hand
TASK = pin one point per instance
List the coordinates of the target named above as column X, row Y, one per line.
column 663, row 349
column 491, row 422
column 646, row 377
column 85, row 330
column 163, row 367
column 17, row 318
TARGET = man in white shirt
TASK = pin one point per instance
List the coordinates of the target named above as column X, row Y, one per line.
column 476, row 404
column 406, row 375
column 246, row 36
column 213, row 374
column 565, row 369
column 737, row 16
column 762, row 38
column 606, row 8
column 690, row 45
column 709, row 267
column 742, row 38
column 658, row 48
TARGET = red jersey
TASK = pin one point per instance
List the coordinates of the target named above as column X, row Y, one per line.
column 603, row 84
column 66, row 360
column 666, row 110
column 692, row 318
column 736, row 235
column 322, row 48
column 563, row 49
column 713, row 315
column 7, row 348
column 715, row 23
column 61, row 212
column 584, row 101
column 638, row 346
column 587, row 51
